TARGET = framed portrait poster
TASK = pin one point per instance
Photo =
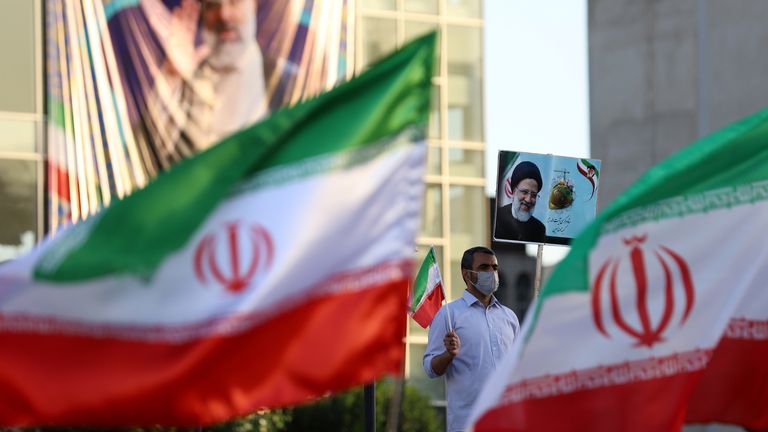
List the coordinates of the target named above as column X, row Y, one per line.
column 544, row 199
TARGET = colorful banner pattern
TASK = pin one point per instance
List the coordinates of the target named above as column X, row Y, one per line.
column 134, row 86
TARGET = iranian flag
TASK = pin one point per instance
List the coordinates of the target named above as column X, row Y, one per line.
column 269, row 270
column 428, row 294
column 659, row 314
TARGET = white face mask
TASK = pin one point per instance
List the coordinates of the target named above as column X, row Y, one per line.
column 487, row 282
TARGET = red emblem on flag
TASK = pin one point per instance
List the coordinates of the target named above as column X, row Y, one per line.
column 646, row 332
column 508, row 187
column 247, row 250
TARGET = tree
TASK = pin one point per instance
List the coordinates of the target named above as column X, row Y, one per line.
column 337, row 412
column 344, row 411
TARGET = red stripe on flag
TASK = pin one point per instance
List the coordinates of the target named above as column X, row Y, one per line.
column 734, row 387
column 429, row 307
column 324, row 345
column 62, row 180
column 730, row 390
column 652, row 405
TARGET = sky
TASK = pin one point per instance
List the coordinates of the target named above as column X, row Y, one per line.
column 536, row 84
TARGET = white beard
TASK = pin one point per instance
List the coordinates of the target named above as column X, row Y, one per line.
column 518, row 213
column 229, row 54
column 241, row 97
column 239, row 83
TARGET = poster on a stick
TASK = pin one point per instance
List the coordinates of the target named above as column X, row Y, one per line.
column 544, row 199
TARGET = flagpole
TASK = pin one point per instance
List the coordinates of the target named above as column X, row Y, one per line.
column 369, row 406
column 537, row 281
column 447, row 313
column 396, row 400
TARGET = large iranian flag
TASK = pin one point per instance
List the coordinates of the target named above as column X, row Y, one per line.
column 659, row 314
column 269, row 270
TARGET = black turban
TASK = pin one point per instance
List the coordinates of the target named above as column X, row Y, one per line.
column 525, row 170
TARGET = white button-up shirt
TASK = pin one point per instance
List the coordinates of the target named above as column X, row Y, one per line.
column 485, row 334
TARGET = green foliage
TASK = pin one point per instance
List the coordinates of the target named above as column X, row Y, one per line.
column 417, row 413
column 260, row 421
column 339, row 412
column 344, row 412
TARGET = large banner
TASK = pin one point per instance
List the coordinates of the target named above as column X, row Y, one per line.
column 135, row 86
column 544, row 198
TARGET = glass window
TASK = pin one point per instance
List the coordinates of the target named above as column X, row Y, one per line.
column 414, row 29
column 433, row 160
column 17, row 135
column 378, row 4
column 434, row 114
column 465, row 163
column 379, row 38
column 431, row 217
column 469, row 227
column 18, row 207
column 465, row 83
column 435, row 388
column 457, row 282
column 464, row 8
column 17, row 49
column 421, row 6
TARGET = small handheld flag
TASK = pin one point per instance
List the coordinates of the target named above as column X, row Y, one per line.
column 428, row 294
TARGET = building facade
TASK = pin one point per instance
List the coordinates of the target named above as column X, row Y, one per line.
column 455, row 214
column 21, row 120
column 665, row 73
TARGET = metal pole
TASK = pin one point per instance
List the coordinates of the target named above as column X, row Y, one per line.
column 395, row 404
column 369, row 402
column 537, row 281
column 396, row 400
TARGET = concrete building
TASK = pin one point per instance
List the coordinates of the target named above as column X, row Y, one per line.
column 664, row 73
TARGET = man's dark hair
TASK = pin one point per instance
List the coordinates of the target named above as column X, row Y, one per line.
column 469, row 255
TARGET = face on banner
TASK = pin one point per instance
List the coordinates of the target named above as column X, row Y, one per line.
column 543, row 198
column 225, row 64
column 228, row 28
column 172, row 78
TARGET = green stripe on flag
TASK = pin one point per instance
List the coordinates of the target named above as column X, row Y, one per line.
column 56, row 112
column 730, row 162
column 507, row 160
column 422, row 279
column 136, row 234
column 329, row 162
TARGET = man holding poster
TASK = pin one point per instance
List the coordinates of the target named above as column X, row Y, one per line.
column 515, row 221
